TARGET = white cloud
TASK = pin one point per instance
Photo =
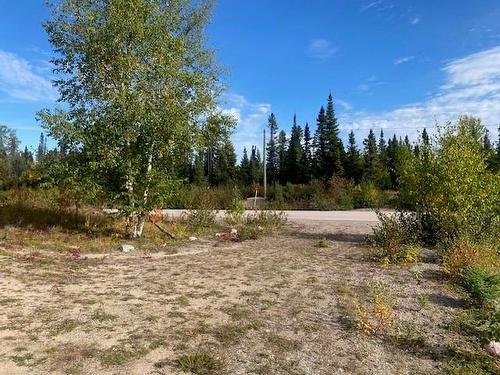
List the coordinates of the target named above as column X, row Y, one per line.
column 472, row 86
column 19, row 80
column 403, row 60
column 368, row 84
column 371, row 5
column 252, row 119
column 321, row 49
column 415, row 20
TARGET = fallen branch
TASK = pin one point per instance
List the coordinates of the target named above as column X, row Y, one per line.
column 163, row 230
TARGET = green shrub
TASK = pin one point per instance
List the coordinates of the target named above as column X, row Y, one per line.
column 482, row 285
column 448, row 184
column 249, row 232
column 268, row 220
column 200, row 218
column 493, row 330
column 396, row 238
column 236, row 210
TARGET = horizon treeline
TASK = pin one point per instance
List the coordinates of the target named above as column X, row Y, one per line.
column 299, row 157
column 304, row 155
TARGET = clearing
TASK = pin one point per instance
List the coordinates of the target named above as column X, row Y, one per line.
column 306, row 301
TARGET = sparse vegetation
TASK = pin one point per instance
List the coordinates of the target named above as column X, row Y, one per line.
column 199, row 363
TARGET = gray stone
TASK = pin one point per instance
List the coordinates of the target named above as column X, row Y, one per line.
column 126, row 248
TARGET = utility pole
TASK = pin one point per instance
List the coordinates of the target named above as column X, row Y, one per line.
column 264, row 163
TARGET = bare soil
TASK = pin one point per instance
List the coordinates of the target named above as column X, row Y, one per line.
column 294, row 303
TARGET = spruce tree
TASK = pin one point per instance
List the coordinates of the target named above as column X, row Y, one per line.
column 321, row 147
column 371, row 168
column 255, row 165
column 407, row 143
column 307, row 163
column 425, row 137
column 353, row 163
column 335, row 148
column 295, row 154
column 393, row 147
column 225, row 164
column 282, row 151
column 245, row 168
column 272, row 151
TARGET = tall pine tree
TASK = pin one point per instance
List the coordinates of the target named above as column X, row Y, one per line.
column 295, row 154
column 353, row 162
column 272, row 151
column 335, row 148
column 282, row 151
column 321, row 147
column 307, row 163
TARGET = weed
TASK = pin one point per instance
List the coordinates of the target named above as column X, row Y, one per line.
column 67, row 325
column 117, row 355
column 199, row 218
column 322, row 243
column 423, row 300
column 101, row 316
column 199, row 363
column 22, row 360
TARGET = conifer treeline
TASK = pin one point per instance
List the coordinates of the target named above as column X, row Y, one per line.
column 300, row 157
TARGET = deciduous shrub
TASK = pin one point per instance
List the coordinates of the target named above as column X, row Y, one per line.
column 396, row 238
column 481, row 284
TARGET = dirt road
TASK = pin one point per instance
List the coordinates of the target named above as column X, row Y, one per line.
column 303, row 217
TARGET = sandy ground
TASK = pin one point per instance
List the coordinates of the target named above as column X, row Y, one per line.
column 277, row 305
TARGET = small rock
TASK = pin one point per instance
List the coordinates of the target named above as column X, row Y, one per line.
column 260, row 228
column 234, row 231
column 493, row 348
column 218, row 234
column 193, row 239
column 126, row 248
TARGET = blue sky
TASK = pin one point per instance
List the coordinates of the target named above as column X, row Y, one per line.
column 400, row 65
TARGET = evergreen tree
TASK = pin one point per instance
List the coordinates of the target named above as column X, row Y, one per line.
column 371, row 167
column 272, row 151
column 198, row 170
column 42, row 148
column 245, row 168
column 225, row 164
column 321, row 147
column 393, row 147
column 425, row 137
column 353, row 163
column 335, row 148
column 282, row 151
column 407, row 143
column 255, row 165
column 307, row 163
column 295, row 154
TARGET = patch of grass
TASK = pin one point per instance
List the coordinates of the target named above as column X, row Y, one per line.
column 322, row 243
column 472, row 364
column 229, row 334
column 22, row 360
column 101, row 316
column 423, row 300
column 66, row 326
column 199, row 363
column 8, row 301
column 118, row 355
column 182, row 301
column 482, row 285
column 282, row 344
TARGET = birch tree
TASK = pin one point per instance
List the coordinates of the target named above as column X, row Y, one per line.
column 137, row 82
